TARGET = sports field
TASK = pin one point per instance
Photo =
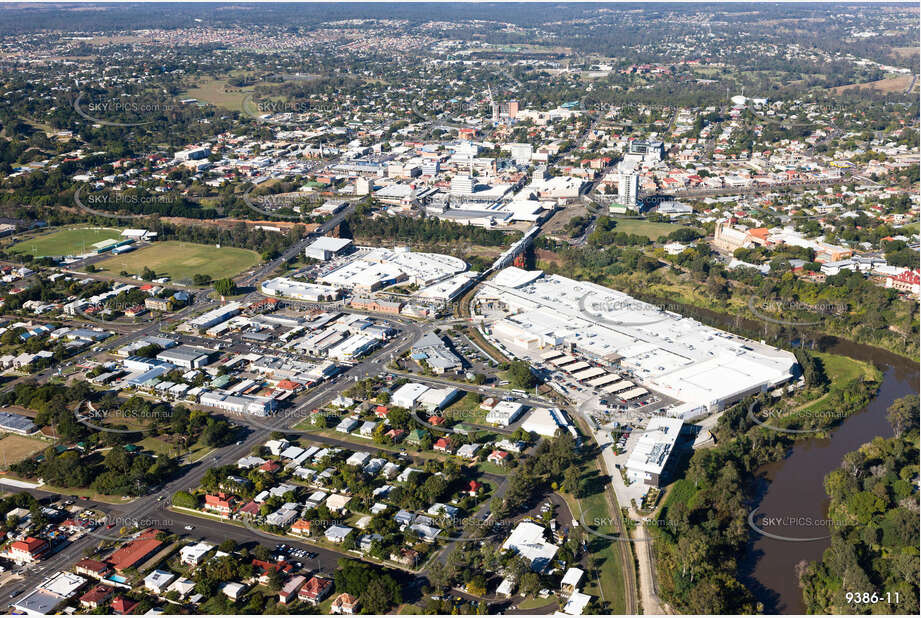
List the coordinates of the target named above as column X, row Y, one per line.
column 16, row 448
column 180, row 261
column 71, row 241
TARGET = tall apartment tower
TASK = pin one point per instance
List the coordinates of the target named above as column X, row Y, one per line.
column 628, row 187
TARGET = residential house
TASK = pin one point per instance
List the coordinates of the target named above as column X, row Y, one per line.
column 291, row 588
column 315, row 590
column 96, row 597
column 158, row 581
column 344, row 604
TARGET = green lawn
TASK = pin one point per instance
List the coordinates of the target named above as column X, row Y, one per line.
column 608, row 581
column 535, row 603
column 410, row 610
column 182, row 260
column 841, row 369
column 71, row 241
column 160, row 447
column 649, row 229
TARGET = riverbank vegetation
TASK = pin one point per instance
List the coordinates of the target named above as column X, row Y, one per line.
column 698, row 551
column 787, row 308
column 874, row 539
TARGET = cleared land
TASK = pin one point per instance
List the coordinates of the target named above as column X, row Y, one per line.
column 650, row 229
column 219, row 93
column 891, row 84
column 903, row 52
column 73, row 241
column 16, row 448
column 181, row 260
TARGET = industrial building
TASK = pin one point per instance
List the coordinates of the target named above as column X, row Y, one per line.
column 651, row 456
column 432, row 350
column 704, row 368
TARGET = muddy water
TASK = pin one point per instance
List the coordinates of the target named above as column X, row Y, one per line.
column 794, row 487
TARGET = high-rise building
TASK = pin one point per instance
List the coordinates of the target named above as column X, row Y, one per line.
column 628, row 187
column 430, row 167
column 462, row 185
column 651, row 151
column 504, row 110
column 521, row 153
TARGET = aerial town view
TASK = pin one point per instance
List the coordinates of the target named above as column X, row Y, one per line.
column 459, row 308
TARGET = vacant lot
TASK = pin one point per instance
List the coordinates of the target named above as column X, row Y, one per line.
column 650, row 229
column 181, row 260
column 72, row 241
column 903, row 52
column 219, row 93
column 891, row 84
column 16, row 448
column 556, row 226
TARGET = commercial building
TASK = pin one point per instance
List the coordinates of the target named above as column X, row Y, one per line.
column 186, row 356
column 49, row 594
column 527, row 540
column 28, row 550
column 327, row 247
column 704, row 368
column 649, row 151
column 238, row 404
column 300, row 290
column 215, row 316
column 375, row 269
column 136, row 551
column 653, row 452
column 434, row 352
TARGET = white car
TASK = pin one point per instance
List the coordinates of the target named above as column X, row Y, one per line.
column 190, row 527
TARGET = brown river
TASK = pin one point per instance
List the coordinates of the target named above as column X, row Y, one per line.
column 793, row 498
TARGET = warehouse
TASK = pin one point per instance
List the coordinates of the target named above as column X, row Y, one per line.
column 186, row 356
column 505, row 413
column 702, row 367
column 407, row 395
column 326, row 248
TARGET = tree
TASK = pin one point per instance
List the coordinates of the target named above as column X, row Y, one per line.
column 903, row 415
column 571, row 481
column 185, row 499
column 381, row 594
column 225, row 287
column 147, row 274
column 520, row 376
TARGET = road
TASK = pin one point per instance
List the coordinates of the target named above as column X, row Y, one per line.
column 142, row 507
column 261, row 272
